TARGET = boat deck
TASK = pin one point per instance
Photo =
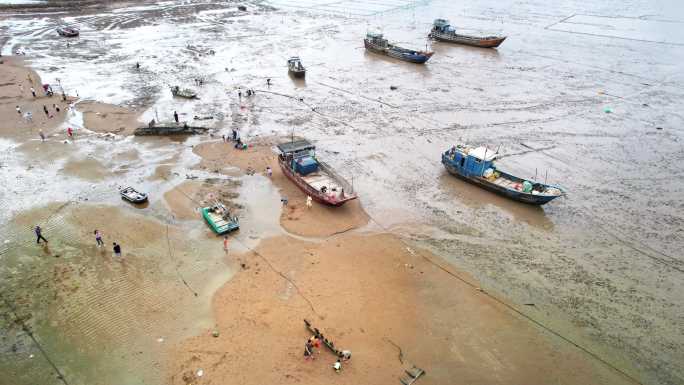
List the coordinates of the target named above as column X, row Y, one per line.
column 504, row 182
column 218, row 220
column 509, row 184
column 320, row 179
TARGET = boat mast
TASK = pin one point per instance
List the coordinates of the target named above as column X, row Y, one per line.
column 483, row 161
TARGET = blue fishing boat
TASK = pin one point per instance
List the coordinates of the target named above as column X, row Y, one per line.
column 376, row 43
column 476, row 165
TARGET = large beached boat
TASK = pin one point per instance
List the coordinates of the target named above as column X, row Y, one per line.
column 442, row 31
column 298, row 161
column 375, row 42
column 295, row 67
column 476, row 165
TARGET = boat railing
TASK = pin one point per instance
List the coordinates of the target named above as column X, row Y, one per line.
column 343, row 182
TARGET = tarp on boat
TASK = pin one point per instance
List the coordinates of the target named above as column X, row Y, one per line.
column 482, row 153
column 306, row 165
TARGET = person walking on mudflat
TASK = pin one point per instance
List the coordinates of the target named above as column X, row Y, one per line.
column 175, row 116
column 33, row 92
column 39, row 234
column 117, row 250
column 98, row 238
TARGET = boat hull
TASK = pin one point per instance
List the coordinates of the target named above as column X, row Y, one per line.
column 310, row 191
column 131, row 195
column 473, row 41
column 68, row 33
column 511, row 194
column 220, row 230
column 419, row 58
column 297, row 74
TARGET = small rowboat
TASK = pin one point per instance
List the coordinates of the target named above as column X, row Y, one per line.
column 476, row 165
column 132, row 195
column 295, row 67
column 219, row 219
column 442, row 31
column 68, row 31
column 374, row 42
column 316, row 179
column 183, row 92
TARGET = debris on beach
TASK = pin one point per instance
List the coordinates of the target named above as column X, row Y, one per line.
column 413, row 375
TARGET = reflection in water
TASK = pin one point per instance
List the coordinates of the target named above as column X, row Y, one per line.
column 138, row 206
column 476, row 197
column 417, row 68
column 298, row 82
column 488, row 53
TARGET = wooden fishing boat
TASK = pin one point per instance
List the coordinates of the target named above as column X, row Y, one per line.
column 183, row 92
column 375, row 42
column 476, row 165
column 132, row 195
column 68, row 31
column 295, row 67
column 442, row 31
column 316, row 179
column 169, row 128
column 219, row 219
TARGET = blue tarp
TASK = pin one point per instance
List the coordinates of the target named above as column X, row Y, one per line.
column 306, row 165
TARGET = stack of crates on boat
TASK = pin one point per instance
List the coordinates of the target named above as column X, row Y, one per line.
column 306, row 165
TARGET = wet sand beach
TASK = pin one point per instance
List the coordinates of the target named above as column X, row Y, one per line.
column 422, row 269
column 382, row 300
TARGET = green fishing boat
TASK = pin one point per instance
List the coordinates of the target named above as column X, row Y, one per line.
column 219, row 219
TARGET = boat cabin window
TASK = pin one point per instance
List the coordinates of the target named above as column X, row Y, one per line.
column 462, row 161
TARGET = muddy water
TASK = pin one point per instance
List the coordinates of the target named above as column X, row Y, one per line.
column 602, row 266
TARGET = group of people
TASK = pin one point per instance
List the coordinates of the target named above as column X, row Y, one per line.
column 315, row 343
column 249, row 92
column 49, row 112
column 235, row 138
column 116, row 248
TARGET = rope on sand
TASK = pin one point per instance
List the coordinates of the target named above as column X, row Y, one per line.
column 270, row 265
column 175, row 265
column 401, row 352
column 515, row 310
column 288, row 279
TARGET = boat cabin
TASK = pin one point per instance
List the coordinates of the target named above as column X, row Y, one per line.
column 295, row 63
column 300, row 156
column 442, row 25
column 376, row 39
column 471, row 162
